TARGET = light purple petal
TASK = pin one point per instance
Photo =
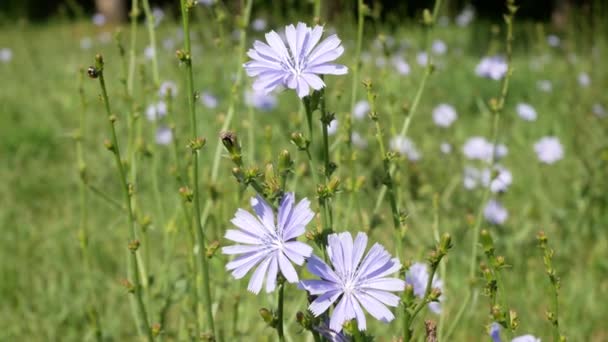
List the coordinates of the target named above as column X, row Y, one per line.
column 246, row 259
column 285, row 209
column 340, row 314
column 328, row 44
column 248, row 223
column 300, row 216
column 271, row 279
column 257, row 279
column 297, row 251
column 319, row 268
column 287, row 268
column 359, row 314
column 386, row 298
column 264, row 212
column 385, row 284
column 239, row 249
column 328, row 69
column 375, row 308
column 314, row 81
column 242, row 237
column 359, row 248
column 317, row 287
column 302, row 88
column 322, row 303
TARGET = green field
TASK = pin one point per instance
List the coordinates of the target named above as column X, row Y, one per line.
column 50, row 290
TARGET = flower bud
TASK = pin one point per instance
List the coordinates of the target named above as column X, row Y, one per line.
column 213, row 247
column 156, row 329
column 186, row 193
column 133, row 245
column 128, row 285
column 99, row 62
column 298, row 139
column 266, row 315
column 285, row 162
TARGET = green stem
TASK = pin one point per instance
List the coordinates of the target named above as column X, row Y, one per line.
column 421, row 87
column 133, row 256
column 280, row 313
column 317, row 12
column 131, row 76
column 152, row 36
column 203, row 278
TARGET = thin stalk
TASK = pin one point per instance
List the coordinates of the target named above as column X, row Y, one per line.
column 131, row 76
column 353, row 100
column 84, row 233
column 280, row 312
column 421, row 87
column 386, row 162
column 133, row 255
column 317, row 12
column 152, row 36
column 112, row 202
column 203, row 277
column 235, row 89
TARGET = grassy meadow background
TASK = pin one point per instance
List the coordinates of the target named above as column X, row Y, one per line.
column 45, row 292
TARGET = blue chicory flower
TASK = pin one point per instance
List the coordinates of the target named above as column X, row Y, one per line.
column 296, row 61
column 356, row 282
column 268, row 243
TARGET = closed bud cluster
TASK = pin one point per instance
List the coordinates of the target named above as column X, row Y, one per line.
column 145, row 222
column 427, row 17
column 231, row 143
column 212, row 249
column 298, row 139
column 197, row 143
column 99, row 62
column 237, row 172
column 435, row 294
column 128, row 285
column 186, row 193
column 305, row 320
column 182, row 56
column 408, row 295
column 134, row 245
column 268, row 317
column 487, row 242
column 285, row 163
column 156, row 329
column 327, row 118
column 109, row 145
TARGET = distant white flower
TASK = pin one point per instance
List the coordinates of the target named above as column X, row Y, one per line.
column 259, row 24
column 405, row 147
column 480, row 149
column 502, row 180
column 466, row 16
column 158, row 15
column 86, row 43
column 205, row 2
column 544, row 85
column 495, row 213
column 156, row 111
column 361, row 109
column 260, row 100
column 553, row 40
column 149, row 52
column 209, row 100
column 599, row 110
column 444, row 115
column 445, row 148
column 525, row 338
column 6, row 55
column 494, row 67
column 439, row 47
column 583, row 79
column 473, row 177
column 358, row 140
column 549, row 150
column 99, row 19
column 401, row 65
column 526, row 111
column 164, row 136
column 332, row 128
column 422, row 58
column 166, row 88
column 418, row 276
column 380, row 62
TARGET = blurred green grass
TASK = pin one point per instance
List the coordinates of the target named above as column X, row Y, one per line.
column 43, row 292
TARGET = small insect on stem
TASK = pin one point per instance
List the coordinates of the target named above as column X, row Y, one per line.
column 93, row 72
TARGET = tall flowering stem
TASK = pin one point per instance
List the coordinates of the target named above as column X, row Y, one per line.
column 196, row 144
column 131, row 71
column 83, row 233
column 552, row 316
column 411, row 310
column 429, row 19
column 362, row 9
column 135, row 283
column 386, row 162
column 496, row 107
column 150, row 21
